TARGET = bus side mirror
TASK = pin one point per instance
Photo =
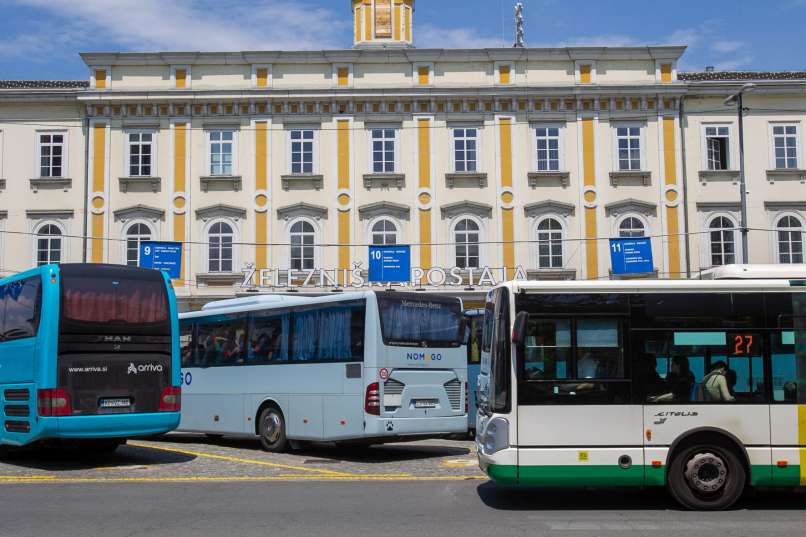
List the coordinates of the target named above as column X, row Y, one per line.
column 519, row 328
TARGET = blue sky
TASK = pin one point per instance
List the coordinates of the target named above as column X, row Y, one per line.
column 41, row 39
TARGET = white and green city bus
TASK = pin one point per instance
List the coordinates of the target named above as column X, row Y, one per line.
column 693, row 385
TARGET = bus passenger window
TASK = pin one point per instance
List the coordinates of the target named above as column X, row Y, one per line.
column 269, row 339
column 599, row 354
column 222, row 343
column 547, row 353
column 20, row 302
column 186, row 344
column 784, row 367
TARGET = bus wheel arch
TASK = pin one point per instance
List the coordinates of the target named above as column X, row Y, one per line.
column 722, row 460
column 270, row 426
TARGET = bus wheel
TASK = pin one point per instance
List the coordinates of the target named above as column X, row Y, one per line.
column 706, row 477
column 271, row 428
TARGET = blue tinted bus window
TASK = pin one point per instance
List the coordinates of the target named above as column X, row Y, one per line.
column 416, row 321
column 269, row 333
column 21, row 306
column 221, row 341
column 332, row 333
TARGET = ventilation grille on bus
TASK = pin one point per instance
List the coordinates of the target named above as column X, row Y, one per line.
column 18, row 426
column 17, row 395
column 17, row 411
column 392, row 387
column 454, row 389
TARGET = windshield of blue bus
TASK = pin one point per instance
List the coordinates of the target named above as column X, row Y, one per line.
column 418, row 321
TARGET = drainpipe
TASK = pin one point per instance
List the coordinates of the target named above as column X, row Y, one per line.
column 86, row 188
column 682, row 116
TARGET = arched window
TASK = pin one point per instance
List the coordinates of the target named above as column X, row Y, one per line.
column 466, row 236
column 303, row 236
column 135, row 234
column 790, row 240
column 220, row 238
column 549, row 244
column 384, row 232
column 631, row 227
column 723, row 241
column 48, row 244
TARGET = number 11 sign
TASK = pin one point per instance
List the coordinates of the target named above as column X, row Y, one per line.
column 631, row 256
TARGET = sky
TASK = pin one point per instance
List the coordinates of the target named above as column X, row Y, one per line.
column 41, row 39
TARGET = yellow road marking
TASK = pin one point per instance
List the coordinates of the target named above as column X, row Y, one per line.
column 459, row 463
column 240, row 460
column 225, row 479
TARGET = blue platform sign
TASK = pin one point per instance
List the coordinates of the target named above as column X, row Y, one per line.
column 166, row 256
column 631, row 256
column 389, row 264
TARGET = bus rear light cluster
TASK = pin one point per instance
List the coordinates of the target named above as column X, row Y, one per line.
column 372, row 401
column 53, row 402
column 171, row 399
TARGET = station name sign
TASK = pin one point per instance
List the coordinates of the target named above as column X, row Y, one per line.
column 358, row 277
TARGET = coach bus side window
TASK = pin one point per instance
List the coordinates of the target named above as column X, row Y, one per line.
column 186, row 344
column 22, row 305
column 334, row 333
column 222, row 342
column 269, row 332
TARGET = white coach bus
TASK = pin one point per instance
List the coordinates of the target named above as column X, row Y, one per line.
column 370, row 367
column 692, row 385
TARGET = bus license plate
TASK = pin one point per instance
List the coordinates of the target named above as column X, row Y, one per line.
column 426, row 403
column 120, row 402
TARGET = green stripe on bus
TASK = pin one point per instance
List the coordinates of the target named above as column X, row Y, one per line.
column 797, row 283
column 762, row 475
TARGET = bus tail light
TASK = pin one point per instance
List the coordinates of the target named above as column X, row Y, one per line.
column 53, row 402
column 171, row 399
column 372, row 401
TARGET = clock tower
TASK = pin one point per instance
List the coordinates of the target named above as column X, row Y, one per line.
column 383, row 23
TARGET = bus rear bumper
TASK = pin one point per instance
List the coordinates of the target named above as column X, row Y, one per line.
column 109, row 425
column 416, row 426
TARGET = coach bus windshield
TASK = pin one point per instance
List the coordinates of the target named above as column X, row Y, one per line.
column 416, row 321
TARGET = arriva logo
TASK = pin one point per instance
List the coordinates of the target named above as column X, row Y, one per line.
column 146, row 368
column 423, row 357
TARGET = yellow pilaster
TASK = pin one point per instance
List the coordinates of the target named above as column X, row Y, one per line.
column 98, row 186
column 585, row 73
column 100, row 78
column 424, row 151
column 367, row 21
column 424, row 183
column 343, row 152
column 425, row 239
column 666, row 72
column 396, row 21
column 180, row 182
column 407, row 24
column 261, row 200
column 507, row 213
column 589, row 176
column 262, row 77
column 672, row 213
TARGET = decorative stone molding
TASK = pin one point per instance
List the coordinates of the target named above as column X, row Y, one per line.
column 630, row 178
column 466, row 180
column 785, row 205
column 482, row 210
column 140, row 184
column 297, row 210
column 719, row 175
column 537, row 179
column 384, row 208
column 219, row 279
column 220, row 211
column 536, row 210
column 45, row 214
column 51, row 183
column 786, row 175
column 551, row 274
column 231, row 183
column 631, row 206
column 139, row 211
column 384, row 180
column 302, row 181
column 718, row 206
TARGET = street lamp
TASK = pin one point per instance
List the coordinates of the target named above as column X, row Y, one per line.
column 737, row 99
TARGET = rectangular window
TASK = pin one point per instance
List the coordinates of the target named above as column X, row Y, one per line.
column 221, row 341
column 20, row 306
column 222, row 143
column 51, row 154
column 383, row 150
column 301, row 150
column 717, row 146
column 408, row 321
column 628, row 140
column 141, row 152
column 269, row 331
column 331, row 333
column 548, row 149
column 785, row 145
column 186, row 343
column 547, row 352
column 465, row 146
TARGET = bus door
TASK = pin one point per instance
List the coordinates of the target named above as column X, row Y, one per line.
column 575, row 421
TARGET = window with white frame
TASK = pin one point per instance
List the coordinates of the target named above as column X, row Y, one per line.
column 141, row 153
column 465, row 149
column 717, row 147
column 790, row 240
column 785, row 146
column 51, row 154
column 548, row 148
column 222, row 150
column 383, row 150
column 628, row 142
column 302, row 238
column 722, row 241
column 302, row 150
column 549, row 244
column 219, row 247
column 631, row 227
column 384, row 233
column 135, row 234
column 49, row 239
column 467, row 237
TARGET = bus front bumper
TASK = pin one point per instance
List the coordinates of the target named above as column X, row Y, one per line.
column 109, row 425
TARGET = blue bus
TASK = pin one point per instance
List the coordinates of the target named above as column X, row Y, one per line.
column 89, row 355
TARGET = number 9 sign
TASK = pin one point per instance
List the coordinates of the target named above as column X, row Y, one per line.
column 147, row 250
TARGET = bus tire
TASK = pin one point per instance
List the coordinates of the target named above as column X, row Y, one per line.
column 271, row 429
column 706, row 477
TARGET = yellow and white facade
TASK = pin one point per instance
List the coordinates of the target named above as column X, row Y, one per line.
column 260, row 162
